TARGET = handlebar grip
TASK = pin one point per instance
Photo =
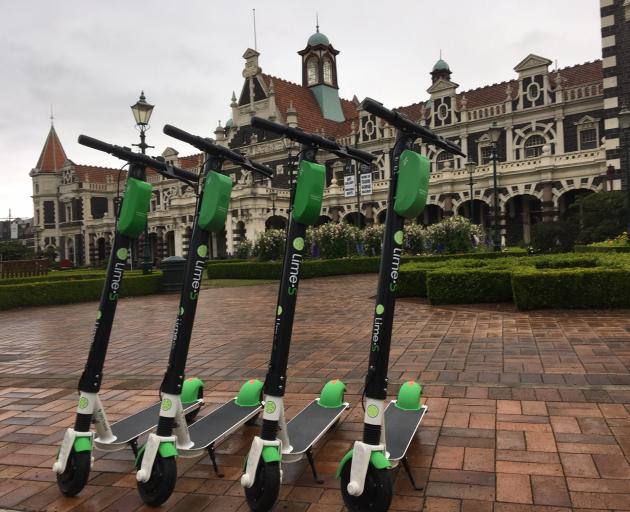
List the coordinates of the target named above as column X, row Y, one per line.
column 186, row 175
column 265, row 170
column 93, row 143
column 180, row 134
column 360, row 154
column 376, row 108
column 270, row 126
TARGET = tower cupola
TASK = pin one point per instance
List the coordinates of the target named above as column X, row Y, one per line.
column 440, row 71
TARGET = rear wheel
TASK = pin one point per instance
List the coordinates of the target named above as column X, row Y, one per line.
column 377, row 491
column 77, row 473
column 262, row 496
column 161, row 484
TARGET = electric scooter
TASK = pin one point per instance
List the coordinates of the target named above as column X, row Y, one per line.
column 74, row 459
column 156, row 464
column 365, row 479
column 278, row 439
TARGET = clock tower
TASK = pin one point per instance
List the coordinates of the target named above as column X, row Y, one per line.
column 319, row 74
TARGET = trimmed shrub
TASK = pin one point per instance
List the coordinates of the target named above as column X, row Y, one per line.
column 270, row 245
column 452, row 235
column 601, row 249
column 583, row 288
column 469, row 286
column 336, row 240
column 412, row 282
column 372, row 238
column 243, row 249
column 415, row 235
column 579, row 262
column 80, row 290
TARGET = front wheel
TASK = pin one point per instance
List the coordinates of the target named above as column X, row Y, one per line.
column 76, row 474
column 161, row 484
column 262, row 496
column 377, row 491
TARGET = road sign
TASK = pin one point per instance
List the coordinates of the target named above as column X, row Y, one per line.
column 349, row 186
column 365, row 183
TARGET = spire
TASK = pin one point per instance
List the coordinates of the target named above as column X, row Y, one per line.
column 53, row 157
column 316, row 21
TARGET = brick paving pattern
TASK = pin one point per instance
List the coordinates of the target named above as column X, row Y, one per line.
column 528, row 412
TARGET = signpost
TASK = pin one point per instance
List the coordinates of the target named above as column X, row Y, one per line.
column 357, row 184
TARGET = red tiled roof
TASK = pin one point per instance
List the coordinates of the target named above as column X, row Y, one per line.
column 413, row 112
column 309, row 115
column 96, row 174
column 52, row 157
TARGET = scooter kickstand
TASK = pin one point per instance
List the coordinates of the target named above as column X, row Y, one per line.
column 311, row 461
column 213, row 458
column 410, row 475
column 134, row 446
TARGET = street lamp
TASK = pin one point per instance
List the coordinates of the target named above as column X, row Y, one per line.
column 273, row 195
column 142, row 114
column 470, row 167
column 624, row 127
column 494, row 133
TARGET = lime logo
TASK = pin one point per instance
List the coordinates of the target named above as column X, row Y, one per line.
column 122, row 254
column 380, row 309
column 372, row 411
column 398, row 237
column 181, row 311
column 99, row 314
column 202, row 251
column 298, row 243
column 83, row 402
column 166, row 404
column 270, row 407
column 279, row 310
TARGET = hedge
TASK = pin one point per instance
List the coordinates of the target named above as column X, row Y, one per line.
column 310, row 268
column 604, row 249
column 584, row 288
column 468, row 286
column 80, row 290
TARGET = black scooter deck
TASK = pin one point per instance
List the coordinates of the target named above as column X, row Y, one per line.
column 132, row 427
column 400, row 427
column 219, row 423
column 311, row 424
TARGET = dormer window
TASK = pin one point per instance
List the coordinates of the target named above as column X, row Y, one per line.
column 533, row 92
column 588, row 138
column 328, row 72
column 534, row 146
column 311, row 71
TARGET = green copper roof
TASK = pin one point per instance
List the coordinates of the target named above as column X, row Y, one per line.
column 318, row 38
column 329, row 104
column 441, row 65
column 229, row 123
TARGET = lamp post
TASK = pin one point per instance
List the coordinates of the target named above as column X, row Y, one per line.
column 470, row 167
column 273, row 195
column 624, row 127
column 142, row 114
column 494, row 133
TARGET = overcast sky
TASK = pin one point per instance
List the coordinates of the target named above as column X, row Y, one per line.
column 90, row 59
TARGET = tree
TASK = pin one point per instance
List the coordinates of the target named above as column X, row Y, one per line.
column 15, row 251
column 598, row 217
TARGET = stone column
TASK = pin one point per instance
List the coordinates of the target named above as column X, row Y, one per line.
column 548, row 210
column 87, row 249
column 229, row 234
column 448, row 205
column 179, row 243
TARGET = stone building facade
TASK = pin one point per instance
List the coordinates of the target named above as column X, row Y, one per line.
column 553, row 148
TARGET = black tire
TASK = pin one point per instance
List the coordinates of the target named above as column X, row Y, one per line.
column 77, row 473
column 161, row 484
column 262, row 496
column 377, row 492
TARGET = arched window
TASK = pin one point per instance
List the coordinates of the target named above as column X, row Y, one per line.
column 311, row 71
column 444, row 160
column 328, row 79
column 534, row 146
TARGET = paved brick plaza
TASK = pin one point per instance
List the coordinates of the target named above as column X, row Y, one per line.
column 527, row 412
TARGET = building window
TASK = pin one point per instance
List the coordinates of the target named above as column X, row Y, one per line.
column 534, row 146
column 444, row 160
column 328, row 72
column 311, row 71
column 485, row 155
column 533, row 92
column 588, row 138
column 442, row 111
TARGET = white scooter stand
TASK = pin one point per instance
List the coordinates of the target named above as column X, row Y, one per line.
column 361, row 454
column 151, row 449
column 253, row 459
column 66, row 447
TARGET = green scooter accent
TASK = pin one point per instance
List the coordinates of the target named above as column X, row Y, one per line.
column 249, row 394
column 82, row 444
column 409, row 396
column 133, row 214
column 271, row 454
column 309, row 192
column 331, row 396
column 413, row 184
column 216, row 199
column 191, row 390
column 377, row 459
column 166, row 450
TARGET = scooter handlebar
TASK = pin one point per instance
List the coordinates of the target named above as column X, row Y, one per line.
column 215, row 149
column 309, row 139
column 400, row 122
column 126, row 154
